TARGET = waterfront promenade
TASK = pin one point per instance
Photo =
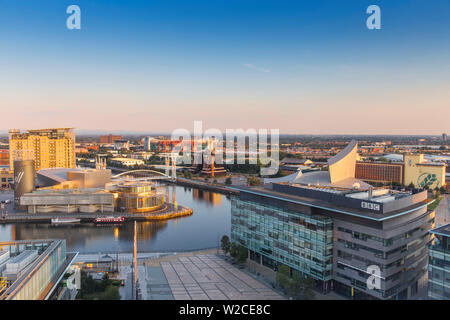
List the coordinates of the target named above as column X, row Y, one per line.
column 205, row 186
column 169, row 211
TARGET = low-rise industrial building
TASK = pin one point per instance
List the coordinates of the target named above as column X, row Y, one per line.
column 68, row 201
column 129, row 162
column 384, row 172
column 121, row 144
column 414, row 169
column 6, row 179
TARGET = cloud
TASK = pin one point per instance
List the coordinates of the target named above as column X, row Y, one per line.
column 253, row 67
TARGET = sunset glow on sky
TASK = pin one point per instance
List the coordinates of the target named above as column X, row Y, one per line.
column 306, row 67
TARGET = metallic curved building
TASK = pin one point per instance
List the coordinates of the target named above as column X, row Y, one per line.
column 138, row 196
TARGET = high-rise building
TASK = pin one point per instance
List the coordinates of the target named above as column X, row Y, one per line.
column 444, row 137
column 49, row 148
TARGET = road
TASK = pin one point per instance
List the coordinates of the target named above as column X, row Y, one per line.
column 7, row 195
column 443, row 211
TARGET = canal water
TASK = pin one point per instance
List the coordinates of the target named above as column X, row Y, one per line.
column 211, row 219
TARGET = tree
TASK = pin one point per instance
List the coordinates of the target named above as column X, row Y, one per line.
column 238, row 252
column 242, row 254
column 228, row 181
column 283, row 277
column 297, row 285
column 105, row 282
column 306, row 287
column 233, row 250
column 111, row 293
column 254, row 181
column 88, row 284
column 226, row 245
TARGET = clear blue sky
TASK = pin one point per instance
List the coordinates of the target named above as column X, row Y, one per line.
column 299, row 66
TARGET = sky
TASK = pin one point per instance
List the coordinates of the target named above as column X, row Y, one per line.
column 303, row 67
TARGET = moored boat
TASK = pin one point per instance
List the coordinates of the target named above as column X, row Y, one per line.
column 65, row 220
column 109, row 219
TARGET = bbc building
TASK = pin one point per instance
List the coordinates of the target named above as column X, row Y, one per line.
column 360, row 242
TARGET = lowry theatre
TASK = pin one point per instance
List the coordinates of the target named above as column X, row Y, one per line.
column 336, row 229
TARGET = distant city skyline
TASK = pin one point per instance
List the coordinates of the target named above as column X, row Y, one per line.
column 303, row 67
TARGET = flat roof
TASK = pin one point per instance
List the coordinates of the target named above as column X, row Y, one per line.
column 316, row 203
column 436, row 164
column 34, row 266
column 442, row 230
column 49, row 129
column 55, row 192
column 22, row 256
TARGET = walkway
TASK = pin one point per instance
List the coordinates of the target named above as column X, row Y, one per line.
column 208, row 277
column 443, row 211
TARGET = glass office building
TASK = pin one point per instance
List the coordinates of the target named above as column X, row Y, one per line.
column 439, row 264
column 338, row 237
column 276, row 235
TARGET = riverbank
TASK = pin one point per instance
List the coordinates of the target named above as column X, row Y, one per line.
column 169, row 211
column 183, row 181
column 204, row 186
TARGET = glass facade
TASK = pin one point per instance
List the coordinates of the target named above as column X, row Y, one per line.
column 44, row 271
column 275, row 235
column 141, row 196
column 439, row 268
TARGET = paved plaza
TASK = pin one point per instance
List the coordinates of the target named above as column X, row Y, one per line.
column 200, row 277
column 210, row 277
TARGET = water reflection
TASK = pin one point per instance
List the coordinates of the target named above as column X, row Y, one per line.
column 211, row 219
column 213, row 198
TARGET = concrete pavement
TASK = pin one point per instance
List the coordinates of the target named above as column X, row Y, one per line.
column 443, row 211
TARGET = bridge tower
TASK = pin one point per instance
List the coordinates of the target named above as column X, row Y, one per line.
column 167, row 166
column 173, row 158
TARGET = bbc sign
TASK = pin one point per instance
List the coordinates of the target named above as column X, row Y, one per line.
column 370, row 205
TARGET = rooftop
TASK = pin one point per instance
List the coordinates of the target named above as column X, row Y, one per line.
column 443, row 230
column 44, row 249
column 24, row 255
column 295, row 160
column 85, row 191
column 341, row 201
